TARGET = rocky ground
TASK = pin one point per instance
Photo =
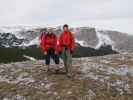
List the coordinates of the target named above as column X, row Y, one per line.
column 95, row 78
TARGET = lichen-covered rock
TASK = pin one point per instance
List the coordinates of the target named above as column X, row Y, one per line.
column 95, row 78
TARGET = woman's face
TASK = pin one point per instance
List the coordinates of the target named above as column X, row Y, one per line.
column 50, row 30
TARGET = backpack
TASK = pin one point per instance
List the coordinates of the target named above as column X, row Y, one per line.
column 50, row 35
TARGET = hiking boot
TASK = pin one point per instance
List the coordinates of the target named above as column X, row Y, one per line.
column 57, row 69
column 69, row 75
column 48, row 69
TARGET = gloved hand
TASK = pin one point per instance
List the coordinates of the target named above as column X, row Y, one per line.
column 45, row 53
column 71, row 51
column 56, row 52
column 60, row 52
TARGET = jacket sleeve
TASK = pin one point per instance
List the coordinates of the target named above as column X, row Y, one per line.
column 41, row 41
column 41, row 36
column 55, row 39
column 55, row 42
column 72, row 42
column 44, row 44
column 57, row 48
column 60, row 40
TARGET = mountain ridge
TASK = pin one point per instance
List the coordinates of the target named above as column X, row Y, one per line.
column 85, row 36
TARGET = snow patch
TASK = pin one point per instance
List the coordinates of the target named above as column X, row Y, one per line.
column 103, row 40
column 82, row 43
column 94, row 70
column 19, row 79
column 16, row 97
column 32, row 42
column 30, row 58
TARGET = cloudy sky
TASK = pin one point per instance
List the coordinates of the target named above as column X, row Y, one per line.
column 103, row 14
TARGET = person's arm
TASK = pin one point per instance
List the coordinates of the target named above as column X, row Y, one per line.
column 45, row 44
column 55, row 44
column 60, row 40
column 41, row 36
column 72, row 42
column 41, row 42
column 55, row 39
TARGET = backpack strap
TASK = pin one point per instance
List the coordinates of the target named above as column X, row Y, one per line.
column 42, row 34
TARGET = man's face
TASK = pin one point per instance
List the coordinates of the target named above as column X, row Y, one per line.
column 66, row 29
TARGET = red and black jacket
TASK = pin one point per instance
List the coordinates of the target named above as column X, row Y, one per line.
column 49, row 42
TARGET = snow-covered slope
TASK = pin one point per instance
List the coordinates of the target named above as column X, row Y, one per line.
column 19, row 36
column 32, row 42
column 96, row 38
column 103, row 39
column 9, row 40
column 85, row 36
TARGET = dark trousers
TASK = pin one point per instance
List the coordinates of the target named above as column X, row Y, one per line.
column 51, row 54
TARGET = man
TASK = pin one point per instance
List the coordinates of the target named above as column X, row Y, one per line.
column 50, row 48
column 67, row 44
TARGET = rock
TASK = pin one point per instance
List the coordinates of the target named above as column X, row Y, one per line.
column 100, row 77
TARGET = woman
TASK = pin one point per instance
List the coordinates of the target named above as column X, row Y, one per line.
column 50, row 48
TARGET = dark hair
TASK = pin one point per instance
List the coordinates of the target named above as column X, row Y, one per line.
column 65, row 26
column 43, row 30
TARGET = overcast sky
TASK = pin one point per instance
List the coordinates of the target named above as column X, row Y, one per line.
column 104, row 14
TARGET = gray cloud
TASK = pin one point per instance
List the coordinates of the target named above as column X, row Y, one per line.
column 111, row 14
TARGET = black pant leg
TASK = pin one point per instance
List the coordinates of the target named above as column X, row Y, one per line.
column 56, row 59
column 47, row 59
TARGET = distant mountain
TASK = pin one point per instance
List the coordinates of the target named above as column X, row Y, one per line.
column 90, row 41
column 91, row 37
column 9, row 40
column 85, row 36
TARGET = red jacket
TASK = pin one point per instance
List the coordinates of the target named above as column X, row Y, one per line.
column 49, row 41
column 67, row 39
